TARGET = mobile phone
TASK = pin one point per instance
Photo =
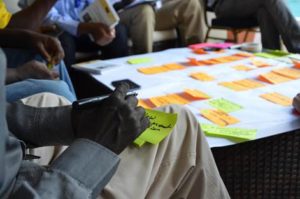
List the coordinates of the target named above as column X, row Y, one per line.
column 132, row 85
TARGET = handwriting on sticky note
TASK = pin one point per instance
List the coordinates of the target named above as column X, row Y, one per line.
column 225, row 105
column 219, row 117
column 277, row 98
column 161, row 125
column 139, row 60
column 225, row 132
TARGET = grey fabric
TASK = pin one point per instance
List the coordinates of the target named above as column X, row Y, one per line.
column 40, row 126
column 80, row 172
column 273, row 16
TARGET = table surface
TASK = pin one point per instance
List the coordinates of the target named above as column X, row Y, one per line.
column 257, row 113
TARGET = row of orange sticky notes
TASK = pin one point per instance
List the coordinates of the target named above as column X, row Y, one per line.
column 219, row 117
column 242, row 85
column 277, row 98
column 161, row 69
column 188, row 96
column 219, row 60
column 259, row 63
column 280, row 75
column 202, row 77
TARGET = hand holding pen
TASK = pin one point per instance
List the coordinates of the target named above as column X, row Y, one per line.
column 114, row 121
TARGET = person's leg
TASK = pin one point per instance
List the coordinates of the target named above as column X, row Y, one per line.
column 140, row 22
column 184, row 15
column 269, row 33
column 22, row 89
column 285, row 23
column 46, row 154
column 181, row 166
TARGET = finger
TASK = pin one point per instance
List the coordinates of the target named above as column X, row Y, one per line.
column 54, row 75
column 296, row 103
column 132, row 100
column 120, row 91
column 145, row 123
column 42, row 50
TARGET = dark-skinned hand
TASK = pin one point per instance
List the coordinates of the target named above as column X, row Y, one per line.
column 114, row 122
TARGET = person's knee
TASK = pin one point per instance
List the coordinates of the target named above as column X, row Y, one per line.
column 146, row 13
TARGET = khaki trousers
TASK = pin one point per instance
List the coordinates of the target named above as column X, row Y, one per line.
column 46, row 154
column 181, row 166
column 143, row 20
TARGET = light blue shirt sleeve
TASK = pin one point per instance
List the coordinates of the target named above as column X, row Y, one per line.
column 64, row 21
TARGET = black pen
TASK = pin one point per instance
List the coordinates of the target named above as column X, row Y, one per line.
column 83, row 103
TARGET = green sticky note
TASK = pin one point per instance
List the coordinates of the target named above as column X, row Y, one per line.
column 225, row 132
column 225, row 105
column 161, row 124
column 266, row 55
column 140, row 60
column 139, row 142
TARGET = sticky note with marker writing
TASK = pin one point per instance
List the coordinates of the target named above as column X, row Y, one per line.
column 161, row 125
column 225, row 105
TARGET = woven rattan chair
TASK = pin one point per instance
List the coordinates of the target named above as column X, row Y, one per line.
column 264, row 168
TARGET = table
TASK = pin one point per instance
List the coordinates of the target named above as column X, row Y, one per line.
column 268, row 118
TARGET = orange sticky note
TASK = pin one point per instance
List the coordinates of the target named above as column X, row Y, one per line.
column 194, row 62
column 288, row 72
column 176, row 99
column 273, row 78
column 143, row 104
column 259, row 63
column 242, row 68
column 202, row 77
column 150, row 70
column 249, row 83
column 233, row 86
column 196, row 94
column 244, row 54
column 296, row 63
column 158, row 101
column 200, row 51
column 219, row 117
column 173, row 66
column 277, row 98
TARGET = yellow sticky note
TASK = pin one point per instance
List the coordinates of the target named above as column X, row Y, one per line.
column 249, row 83
column 239, row 133
column 277, row 98
column 233, row 86
column 202, row 77
column 161, row 125
column 288, row 72
column 273, row 78
column 196, row 93
column 242, row 68
column 219, row 117
column 159, row 101
column 139, row 60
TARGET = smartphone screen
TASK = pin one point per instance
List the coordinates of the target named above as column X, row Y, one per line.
column 132, row 86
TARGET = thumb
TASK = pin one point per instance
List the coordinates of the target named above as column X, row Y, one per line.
column 42, row 50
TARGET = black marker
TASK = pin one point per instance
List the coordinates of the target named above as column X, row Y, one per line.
column 83, row 103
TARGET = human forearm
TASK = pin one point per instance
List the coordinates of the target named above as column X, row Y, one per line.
column 40, row 126
column 81, row 171
column 32, row 16
column 12, row 76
